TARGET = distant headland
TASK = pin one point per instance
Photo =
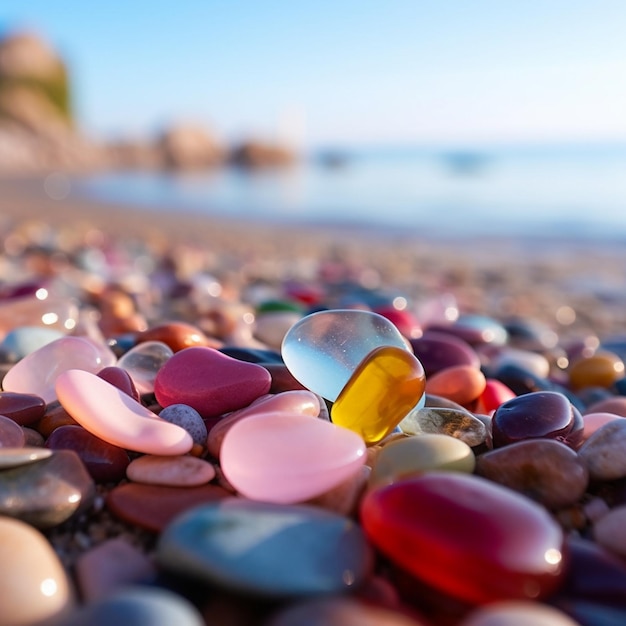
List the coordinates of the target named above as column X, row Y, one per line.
column 39, row 131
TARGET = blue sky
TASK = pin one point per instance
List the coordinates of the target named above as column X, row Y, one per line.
column 457, row 72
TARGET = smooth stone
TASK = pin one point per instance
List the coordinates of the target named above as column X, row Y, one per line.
column 595, row 421
column 38, row 372
column 176, row 335
column 266, row 549
column 610, row 530
column 15, row 457
column 210, row 382
column 522, row 381
column 544, row 470
column 456, row 423
column 261, row 356
column 32, row 438
column 23, row 408
column 530, row 334
column 47, row 492
column 594, row 573
column 188, row 418
column 602, row 369
column 120, row 378
column 43, row 310
column 403, row 319
column 289, row 457
column 303, row 402
column 55, row 417
column 541, row 414
column 409, row 456
column 344, row 499
column 460, row 383
column 477, row 330
column 384, row 387
column 615, row 405
column 282, row 378
column 115, row 417
column 467, row 537
column 272, row 326
column 339, row 611
column 324, row 349
column 604, row 453
column 23, row 340
column 111, row 566
column 438, row 350
column 11, row 434
column 143, row 363
column 533, row 362
column 137, row 606
column 154, row 507
column 518, row 613
column 173, row 471
column 105, row 462
column 34, row 587
column 495, row 394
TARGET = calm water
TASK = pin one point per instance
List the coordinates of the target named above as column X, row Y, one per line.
column 573, row 191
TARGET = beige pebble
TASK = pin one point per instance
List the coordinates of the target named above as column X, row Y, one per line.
column 610, row 530
column 604, row 453
column 110, row 566
column 517, row 613
column 33, row 584
column 173, row 471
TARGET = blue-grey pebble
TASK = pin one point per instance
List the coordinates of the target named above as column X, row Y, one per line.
column 137, row 606
column 267, row 550
column 188, row 418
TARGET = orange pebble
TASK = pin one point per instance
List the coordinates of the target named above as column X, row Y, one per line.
column 600, row 370
column 460, row 383
column 177, row 335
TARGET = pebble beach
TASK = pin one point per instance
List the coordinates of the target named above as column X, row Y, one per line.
column 181, row 443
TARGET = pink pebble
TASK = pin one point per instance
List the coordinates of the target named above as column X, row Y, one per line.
column 296, row 401
column 209, row 381
column 288, row 458
column 173, row 471
column 495, row 394
column 594, row 421
column 37, row 372
column 112, row 415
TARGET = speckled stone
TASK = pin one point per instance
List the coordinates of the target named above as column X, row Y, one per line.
column 456, row 423
column 546, row 471
column 604, row 453
column 266, row 549
column 47, row 492
column 187, row 418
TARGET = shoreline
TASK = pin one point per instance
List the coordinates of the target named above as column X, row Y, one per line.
column 489, row 275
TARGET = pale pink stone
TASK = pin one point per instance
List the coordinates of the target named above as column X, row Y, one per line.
column 296, row 401
column 111, row 566
column 174, row 471
column 286, row 458
column 594, row 421
column 112, row 415
column 37, row 372
column 517, row 612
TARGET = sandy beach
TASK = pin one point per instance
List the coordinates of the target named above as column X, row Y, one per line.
column 503, row 277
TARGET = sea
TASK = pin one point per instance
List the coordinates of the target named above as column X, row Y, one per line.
column 576, row 191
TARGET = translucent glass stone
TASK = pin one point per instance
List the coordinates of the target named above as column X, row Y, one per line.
column 323, row 350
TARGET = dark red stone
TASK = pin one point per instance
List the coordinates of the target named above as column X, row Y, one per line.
column 104, row 461
column 121, row 379
column 153, row 507
column 437, row 350
column 540, row 414
column 23, row 408
column 467, row 537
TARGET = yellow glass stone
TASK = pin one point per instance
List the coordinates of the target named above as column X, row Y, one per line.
column 385, row 386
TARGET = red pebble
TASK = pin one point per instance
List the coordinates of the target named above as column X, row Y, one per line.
column 209, row 381
column 121, row 379
column 495, row 394
column 467, row 537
